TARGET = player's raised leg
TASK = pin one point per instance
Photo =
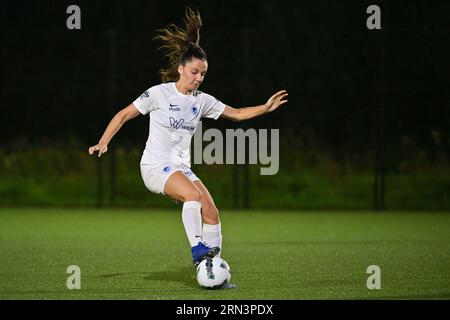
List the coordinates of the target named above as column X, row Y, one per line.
column 212, row 228
column 180, row 188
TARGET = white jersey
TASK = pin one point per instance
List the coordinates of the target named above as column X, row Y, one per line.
column 173, row 120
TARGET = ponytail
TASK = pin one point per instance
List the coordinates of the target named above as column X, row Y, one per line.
column 180, row 45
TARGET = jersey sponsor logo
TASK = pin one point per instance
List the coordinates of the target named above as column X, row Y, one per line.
column 174, row 107
column 176, row 124
column 189, row 128
column 146, row 94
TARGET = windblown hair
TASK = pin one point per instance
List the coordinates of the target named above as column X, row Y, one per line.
column 180, row 45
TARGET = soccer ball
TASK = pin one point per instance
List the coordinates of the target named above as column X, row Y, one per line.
column 213, row 272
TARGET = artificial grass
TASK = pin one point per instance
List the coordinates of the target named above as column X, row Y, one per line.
column 144, row 254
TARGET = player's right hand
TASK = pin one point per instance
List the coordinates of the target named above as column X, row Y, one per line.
column 101, row 148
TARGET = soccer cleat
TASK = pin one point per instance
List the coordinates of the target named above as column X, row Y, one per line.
column 202, row 251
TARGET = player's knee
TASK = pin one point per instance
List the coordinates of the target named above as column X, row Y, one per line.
column 193, row 195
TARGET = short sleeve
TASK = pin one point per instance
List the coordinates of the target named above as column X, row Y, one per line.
column 212, row 108
column 146, row 102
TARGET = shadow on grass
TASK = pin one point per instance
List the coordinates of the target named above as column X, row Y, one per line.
column 183, row 275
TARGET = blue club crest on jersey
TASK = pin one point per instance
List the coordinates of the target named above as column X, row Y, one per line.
column 166, row 169
column 194, row 110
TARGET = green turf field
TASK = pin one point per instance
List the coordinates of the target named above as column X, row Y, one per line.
column 144, row 254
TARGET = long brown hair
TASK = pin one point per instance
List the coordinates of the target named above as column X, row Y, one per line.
column 180, row 45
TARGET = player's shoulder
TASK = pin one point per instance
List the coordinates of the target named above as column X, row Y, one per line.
column 160, row 87
column 149, row 91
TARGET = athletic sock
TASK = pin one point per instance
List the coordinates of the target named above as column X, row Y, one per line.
column 212, row 235
column 192, row 221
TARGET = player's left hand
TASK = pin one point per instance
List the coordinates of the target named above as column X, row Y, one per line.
column 276, row 100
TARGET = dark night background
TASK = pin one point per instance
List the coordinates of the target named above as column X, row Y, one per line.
column 363, row 103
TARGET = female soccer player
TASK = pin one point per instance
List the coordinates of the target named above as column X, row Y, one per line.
column 176, row 107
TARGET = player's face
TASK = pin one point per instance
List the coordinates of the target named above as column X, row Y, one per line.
column 193, row 73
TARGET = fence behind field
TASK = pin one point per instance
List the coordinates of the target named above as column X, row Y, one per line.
column 57, row 175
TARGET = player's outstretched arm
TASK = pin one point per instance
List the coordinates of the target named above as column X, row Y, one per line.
column 251, row 112
column 113, row 127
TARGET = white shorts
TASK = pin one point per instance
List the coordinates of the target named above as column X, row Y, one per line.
column 155, row 176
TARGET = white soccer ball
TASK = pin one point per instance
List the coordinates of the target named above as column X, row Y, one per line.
column 213, row 272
